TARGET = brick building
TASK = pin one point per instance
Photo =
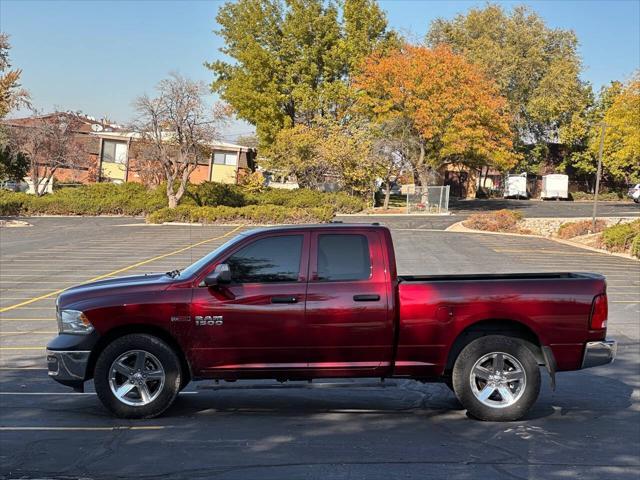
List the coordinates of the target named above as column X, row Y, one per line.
column 111, row 153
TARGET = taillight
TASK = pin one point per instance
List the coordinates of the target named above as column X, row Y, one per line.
column 599, row 312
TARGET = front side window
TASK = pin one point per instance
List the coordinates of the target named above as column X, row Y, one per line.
column 268, row 260
column 343, row 258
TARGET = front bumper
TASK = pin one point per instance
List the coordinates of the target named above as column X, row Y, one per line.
column 599, row 353
column 68, row 367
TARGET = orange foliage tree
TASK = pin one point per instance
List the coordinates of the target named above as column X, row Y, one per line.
column 455, row 111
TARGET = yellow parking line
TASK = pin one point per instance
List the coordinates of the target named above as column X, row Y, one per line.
column 121, row 270
column 27, row 319
column 23, row 348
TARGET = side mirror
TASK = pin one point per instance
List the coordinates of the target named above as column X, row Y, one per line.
column 220, row 275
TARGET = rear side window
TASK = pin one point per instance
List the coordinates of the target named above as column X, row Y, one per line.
column 343, row 257
column 269, row 260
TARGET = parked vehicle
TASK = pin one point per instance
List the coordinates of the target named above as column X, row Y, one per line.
column 311, row 302
column 515, row 186
column 555, row 186
column 634, row 193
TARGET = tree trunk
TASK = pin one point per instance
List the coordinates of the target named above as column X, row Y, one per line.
column 173, row 200
column 387, row 195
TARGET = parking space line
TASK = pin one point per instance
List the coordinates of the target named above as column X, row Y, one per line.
column 81, row 429
column 121, row 270
column 27, row 332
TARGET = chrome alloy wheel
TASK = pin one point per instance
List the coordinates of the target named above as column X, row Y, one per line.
column 136, row 378
column 498, row 380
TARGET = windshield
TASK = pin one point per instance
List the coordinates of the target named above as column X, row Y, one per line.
column 207, row 259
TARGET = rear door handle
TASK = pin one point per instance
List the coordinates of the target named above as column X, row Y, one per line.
column 284, row 299
column 366, row 298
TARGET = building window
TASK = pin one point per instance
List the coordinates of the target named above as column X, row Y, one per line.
column 114, row 152
column 225, row 158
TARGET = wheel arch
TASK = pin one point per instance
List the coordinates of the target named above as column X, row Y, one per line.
column 123, row 330
column 506, row 327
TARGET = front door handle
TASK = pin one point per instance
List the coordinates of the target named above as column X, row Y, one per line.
column 366, row 298
column 290, row 299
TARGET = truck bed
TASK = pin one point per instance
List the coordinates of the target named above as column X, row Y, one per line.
column 478, row 277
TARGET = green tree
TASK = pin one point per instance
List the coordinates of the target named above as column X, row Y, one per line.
column 584, row 130
column 14, row 165
column 535, row 67
column 291, row 60
column 326, row 151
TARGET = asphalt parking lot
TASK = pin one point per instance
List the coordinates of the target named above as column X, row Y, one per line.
column 588, row 428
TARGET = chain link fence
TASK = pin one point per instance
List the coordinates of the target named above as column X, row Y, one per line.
column 427, row 199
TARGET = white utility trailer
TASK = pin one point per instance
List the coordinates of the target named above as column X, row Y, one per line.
column 516, row 186
column 555, row 186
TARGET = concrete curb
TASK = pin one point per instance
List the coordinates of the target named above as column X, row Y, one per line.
column 460, row 228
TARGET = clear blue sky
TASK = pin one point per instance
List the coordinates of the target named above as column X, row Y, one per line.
column 96, row 56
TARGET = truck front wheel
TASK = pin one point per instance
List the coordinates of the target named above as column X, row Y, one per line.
column 137, row 376
column 496, row 378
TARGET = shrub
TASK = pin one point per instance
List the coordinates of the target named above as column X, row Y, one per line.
column 583, row 227
column 605, row 196
column 635, row 246
column 247, row 214
column 619, row 238
column 499, row 221
column 212, row 194
column 11, row 203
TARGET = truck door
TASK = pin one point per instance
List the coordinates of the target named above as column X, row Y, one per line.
column 255, row 324
column 349, row 328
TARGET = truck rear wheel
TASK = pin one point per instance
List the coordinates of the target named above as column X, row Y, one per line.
column 137, row 376
column 496, row 378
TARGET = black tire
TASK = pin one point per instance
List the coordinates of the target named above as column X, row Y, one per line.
column 523, row 392
column 165, row 393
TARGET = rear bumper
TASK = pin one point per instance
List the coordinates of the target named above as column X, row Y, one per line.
column 599, row 353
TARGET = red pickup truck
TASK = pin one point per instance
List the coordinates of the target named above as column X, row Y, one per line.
column 322, row 301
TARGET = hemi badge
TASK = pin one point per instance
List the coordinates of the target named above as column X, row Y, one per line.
column 181, row 318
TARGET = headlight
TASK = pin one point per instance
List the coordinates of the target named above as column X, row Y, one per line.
column 73, row 321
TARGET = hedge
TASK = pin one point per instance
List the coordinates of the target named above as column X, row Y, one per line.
column 249, row 214
column 94, row 199
column 135, row 199
column 211, row 194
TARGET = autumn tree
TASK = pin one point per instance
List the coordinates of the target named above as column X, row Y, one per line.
column 292, row 60
column 49, row 142
column 14, row 165
column 11, row 94
column 456, row 112
column 176, row 128
column 621, row 157
column 536, row 68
